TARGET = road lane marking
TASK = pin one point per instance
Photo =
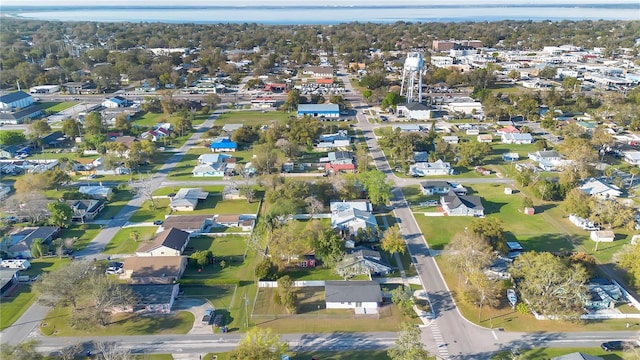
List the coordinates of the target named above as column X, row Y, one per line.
column 494, row 334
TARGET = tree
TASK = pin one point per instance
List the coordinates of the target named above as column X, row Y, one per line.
column 144, row 188
column 71, row 128
column 408, row 344
column 122, row 123
column 549, row 284
column 490, row 229
column 377, row 186
column 61, row 214
column 12, row 137
column 293, row 100
column 106, row 293
column 30, row 182
column 111, row 351
column 266, row 269
column 64, row 285
column 548, row 72
column 392, row 241
column 260, row 343
column 56, row 178
column 37, row 248
column 468, row 253
column 328, row 246
column 23, row 351
column 473, row 153
column 39, row 128
column 391, row 100
column 201, row 257
column 213, row 100
column 578, row 202
column 402, row 299
column 93, row 123
column 527, row 202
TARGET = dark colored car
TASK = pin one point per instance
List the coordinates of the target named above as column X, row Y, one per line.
column 612, row 345
column 158, row 222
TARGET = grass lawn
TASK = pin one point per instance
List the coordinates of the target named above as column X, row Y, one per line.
column 56, row 107
column 13, row 306
column 121, row 324
column 214, row 204
column 152, row 357
column 122, row 242
column 251, row 117
column 220, row 296
column 148, row 214
column 147, row 119
column 83, row 233
column 118, row 202
column 548, row 353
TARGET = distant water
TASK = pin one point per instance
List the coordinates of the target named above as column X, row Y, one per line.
column 310, row 14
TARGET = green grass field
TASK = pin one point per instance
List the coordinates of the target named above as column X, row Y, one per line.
column 256, row 117
column 56, row 107
column 116, row 204
column 57, row 324
column 122, row 243
column 326, row 355
column 83, row 233
column 548, row 353
column 14, row 305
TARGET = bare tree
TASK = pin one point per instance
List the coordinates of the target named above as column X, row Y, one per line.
column 144, row 188
column 314, row 206
column 247, row 186
column 31, row 204
column 111, row 351
column 69, row 352
column 108, row 294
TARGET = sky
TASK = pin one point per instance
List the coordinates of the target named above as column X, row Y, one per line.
column 293, row 2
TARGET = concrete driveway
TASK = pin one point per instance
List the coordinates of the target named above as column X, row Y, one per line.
column 197, row 307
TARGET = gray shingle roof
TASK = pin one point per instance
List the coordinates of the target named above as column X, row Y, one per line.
column 14, row 96
column 352, row 291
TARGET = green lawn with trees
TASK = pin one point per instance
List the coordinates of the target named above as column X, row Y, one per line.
column 127, row 240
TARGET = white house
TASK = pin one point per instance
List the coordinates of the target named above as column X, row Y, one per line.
column 511, row 156
column 451, row 139
column 517, row 138
column 462, row 205
column 415, row 111
column 632, row 157
column 362, row 296
column 602, row 236
column 186, row 199
column 468, row 108
column 435, row 187
column 438, row 167
column 600, row 188
column 96, row 192
column 582, row 223
column 545, row 155
column 352, row 216
column 170, row 242
column 485, row 138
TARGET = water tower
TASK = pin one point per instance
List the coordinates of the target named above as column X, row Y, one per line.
column 412, row 77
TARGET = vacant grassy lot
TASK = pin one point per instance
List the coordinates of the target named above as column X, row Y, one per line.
column 82, row 233
column 147, row 213
column 117, row 203
column 56, row 107
column 57, row 324
column 14, row 305
column 123, row 243
column 147, row 119
column 251, row 117
column 214, row 204
column 164, row 191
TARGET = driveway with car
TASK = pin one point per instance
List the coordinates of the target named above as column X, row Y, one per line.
column 196, row 306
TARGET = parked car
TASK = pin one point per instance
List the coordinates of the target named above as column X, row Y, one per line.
column 207, row 316
column 218, row 321
column 92, row 176
column 158, row 222
column 612, row 345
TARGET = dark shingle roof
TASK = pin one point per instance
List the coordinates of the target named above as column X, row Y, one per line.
column 352, row 291
column 435, row 184
column 470, row 201
column 172, row 238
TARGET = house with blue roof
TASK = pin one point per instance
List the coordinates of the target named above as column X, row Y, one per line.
column 223, row 144
column 319, row 110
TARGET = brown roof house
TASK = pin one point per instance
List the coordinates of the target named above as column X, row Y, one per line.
column 154, row 269
column 194, row 224
column 170, row 242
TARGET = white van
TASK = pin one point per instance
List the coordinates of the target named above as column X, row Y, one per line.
column 21, row 264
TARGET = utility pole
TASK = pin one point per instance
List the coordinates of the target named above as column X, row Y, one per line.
column 246, row 310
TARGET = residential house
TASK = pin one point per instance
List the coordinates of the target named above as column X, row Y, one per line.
column 8, row 278
column 339, row 161
column 18, row 243
column 461, row 205
column 364, row 297
column 517, row 138
column 485, row 138
column 632, row 157
column 545, row 155
column 210, row 159
column 434, row 187
column 53, row 139
column 438, row 167
column 509, row 129
column 451, row 139
column 205, row 170
column 511, row 156
column 186, row 199
column 232, row 192
column 154, row 298
column 155, row 134
column 245, row 222
column 85, row 210
column 414, row 111
column 339, row 140
column 600, row 188
column 223, row 144
column 352, row 216
column 363, row 261
column 212, row 165
column 194, row 224
column 263, row 103
column 420, row 156
column 319, row 110
column 96, row 192
column 170, row 242
column 125, row 140
column 153, row 269
column 602, row 236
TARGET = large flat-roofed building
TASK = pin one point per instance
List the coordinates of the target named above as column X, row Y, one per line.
column 446, row 45
column 319, row 110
